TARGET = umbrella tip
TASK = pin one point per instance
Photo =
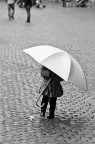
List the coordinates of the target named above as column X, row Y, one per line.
column 69, row 48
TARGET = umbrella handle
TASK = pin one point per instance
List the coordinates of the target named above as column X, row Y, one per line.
column 41, row 94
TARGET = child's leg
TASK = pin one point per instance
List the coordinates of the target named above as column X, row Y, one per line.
column 44, row 104
column 52, row 107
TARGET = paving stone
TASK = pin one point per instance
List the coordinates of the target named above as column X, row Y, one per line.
column 20, row 76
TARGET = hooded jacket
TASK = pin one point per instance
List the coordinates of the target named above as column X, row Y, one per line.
column 54, row 88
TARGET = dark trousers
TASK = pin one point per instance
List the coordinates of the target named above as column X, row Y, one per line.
column 11, row 10
column 52, row 102
column 63, row 3
column 28, row 8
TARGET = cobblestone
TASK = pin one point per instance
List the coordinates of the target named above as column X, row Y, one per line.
column 20, row 76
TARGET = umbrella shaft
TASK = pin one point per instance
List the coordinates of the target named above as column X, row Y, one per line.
column 42, row 92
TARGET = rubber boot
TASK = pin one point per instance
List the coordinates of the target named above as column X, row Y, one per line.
column 42, row 114
column 52, row 107
column 44, row 104
column 51, row 114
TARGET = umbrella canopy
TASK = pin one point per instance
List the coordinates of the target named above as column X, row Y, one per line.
column 60, row 62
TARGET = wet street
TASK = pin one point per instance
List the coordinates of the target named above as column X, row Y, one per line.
column 74, row 121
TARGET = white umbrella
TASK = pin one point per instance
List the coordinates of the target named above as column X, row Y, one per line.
column 60, row 62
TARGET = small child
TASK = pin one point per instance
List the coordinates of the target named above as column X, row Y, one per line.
column 52, row 91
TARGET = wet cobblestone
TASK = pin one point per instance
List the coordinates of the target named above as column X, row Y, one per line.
column 20, row 76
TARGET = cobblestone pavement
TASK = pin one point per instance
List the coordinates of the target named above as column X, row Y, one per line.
column 20, row 76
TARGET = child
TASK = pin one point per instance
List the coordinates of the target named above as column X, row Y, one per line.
column 11, row 8
column 52, row 91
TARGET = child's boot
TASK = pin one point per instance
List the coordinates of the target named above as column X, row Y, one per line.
column 44, row 104
column 52, row 107
column 42, row 113
column 51, row 114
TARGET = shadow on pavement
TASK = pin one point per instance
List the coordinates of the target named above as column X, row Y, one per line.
column 58, row 124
